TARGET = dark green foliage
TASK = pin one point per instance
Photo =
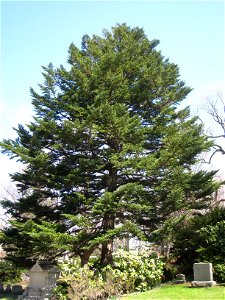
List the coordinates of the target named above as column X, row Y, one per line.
column 219, row 271
column 8, row 272
column 201, row 238
column 211, row 247
column 108, row 152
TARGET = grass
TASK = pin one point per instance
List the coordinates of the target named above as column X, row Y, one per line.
column 171, row 292
column 180, row 292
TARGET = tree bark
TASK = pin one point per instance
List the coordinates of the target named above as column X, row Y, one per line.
column 84, row 257
column 107, row 247
column 109, row 218
column 106, row 254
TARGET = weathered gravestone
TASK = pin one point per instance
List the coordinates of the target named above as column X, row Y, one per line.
column 43, row 276
column 180, row 278
column 203, row 275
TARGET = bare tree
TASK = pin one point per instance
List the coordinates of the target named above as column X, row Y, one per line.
column 215, row 107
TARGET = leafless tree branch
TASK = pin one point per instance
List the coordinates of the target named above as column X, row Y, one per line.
column 215, row 106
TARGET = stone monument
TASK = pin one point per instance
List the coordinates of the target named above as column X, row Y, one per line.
column 203, row 275
column 43, row 276
column 180, row 278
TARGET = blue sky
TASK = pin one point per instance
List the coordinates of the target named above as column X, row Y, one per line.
column 191, row 34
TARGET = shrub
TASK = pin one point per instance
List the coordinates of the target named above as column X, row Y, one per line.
column 8, row 272
column 60, row 292
column 131, row 271
column 219, row 272
column 83, row 283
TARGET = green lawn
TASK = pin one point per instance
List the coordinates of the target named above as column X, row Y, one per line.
column 172, row 292
column 180, row 292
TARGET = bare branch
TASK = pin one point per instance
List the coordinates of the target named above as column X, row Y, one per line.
column 218, row 149
column 216, row 136
column 213, row 107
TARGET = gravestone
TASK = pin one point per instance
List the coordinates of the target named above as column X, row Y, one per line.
column 180, row 278
column 203, row 275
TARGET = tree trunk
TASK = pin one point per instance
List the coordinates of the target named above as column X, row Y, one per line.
column 109, row 218
column 106, row 254
column 107, row 247
column 84, row 257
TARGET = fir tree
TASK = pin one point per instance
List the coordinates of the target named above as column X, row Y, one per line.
column 108, row 152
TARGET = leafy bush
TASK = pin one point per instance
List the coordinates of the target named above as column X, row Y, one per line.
column 84, row 282
column 131, row 271
column 8, row 272
column 60, row 292
column 219, row 272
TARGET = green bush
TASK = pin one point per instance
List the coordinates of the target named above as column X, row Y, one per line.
column 219, row 272
column 60, row 292
column 8, row 272
column 82, row 282
column 131, row 271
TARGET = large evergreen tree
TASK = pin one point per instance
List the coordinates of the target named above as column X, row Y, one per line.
column 108, row 152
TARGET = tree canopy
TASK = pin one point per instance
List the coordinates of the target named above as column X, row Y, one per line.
column 108, row 153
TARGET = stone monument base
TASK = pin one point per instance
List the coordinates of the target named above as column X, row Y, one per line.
column 203, row 283
column 179, row 281
column 180, row 278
